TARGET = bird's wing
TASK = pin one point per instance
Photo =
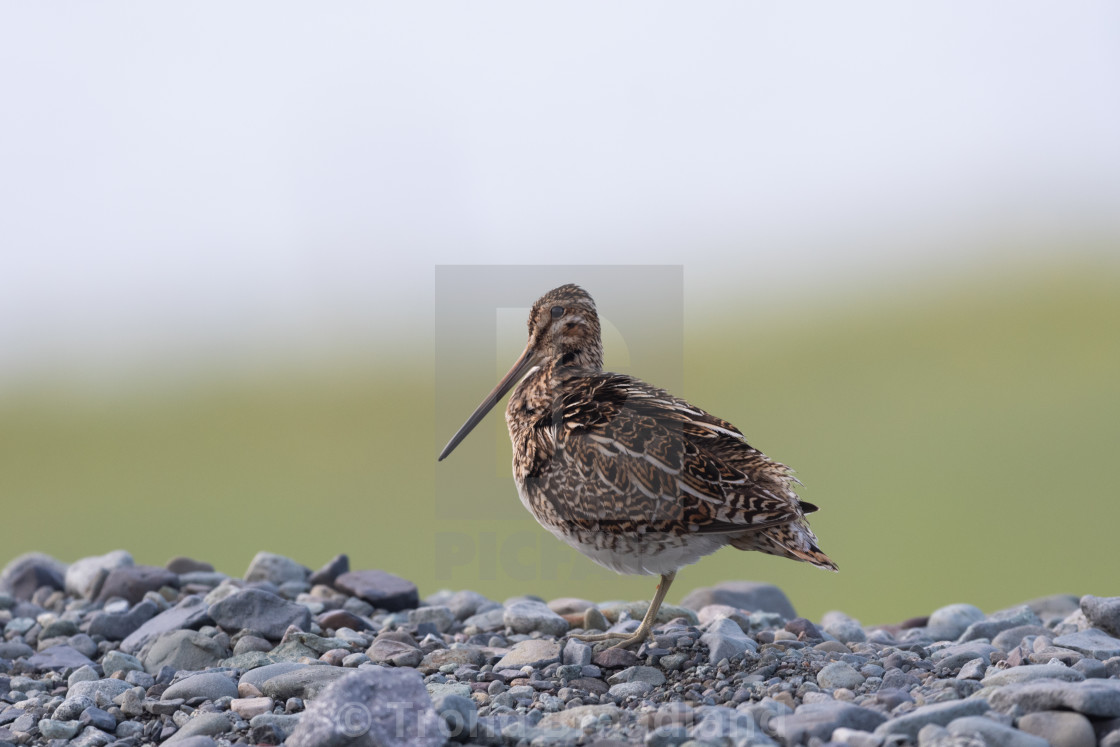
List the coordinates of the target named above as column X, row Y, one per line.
column 635, row 458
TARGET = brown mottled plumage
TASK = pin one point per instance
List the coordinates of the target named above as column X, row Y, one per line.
column 638, row 480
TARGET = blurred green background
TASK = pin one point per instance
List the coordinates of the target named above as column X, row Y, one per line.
column 898, row 228
column 960, row 441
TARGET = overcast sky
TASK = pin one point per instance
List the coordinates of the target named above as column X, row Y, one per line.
column 209, row 176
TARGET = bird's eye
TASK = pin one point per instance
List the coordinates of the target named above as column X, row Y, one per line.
column 557, row 312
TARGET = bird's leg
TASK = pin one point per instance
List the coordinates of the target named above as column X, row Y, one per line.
column 646, row 627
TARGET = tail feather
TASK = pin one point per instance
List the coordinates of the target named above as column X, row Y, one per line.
column 794, row 540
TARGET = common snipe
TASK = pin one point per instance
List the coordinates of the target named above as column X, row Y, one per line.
column 634, row 478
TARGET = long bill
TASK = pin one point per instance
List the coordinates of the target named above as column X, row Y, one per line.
column 520, row 368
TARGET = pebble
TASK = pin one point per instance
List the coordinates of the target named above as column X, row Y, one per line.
column 1059, row 728
column 1091, row 642
column 132, row 582
column 744, row 595
column 384, row 706
column 725, row 639
column 259, row 610
column 275, row 569
column 535, row 653
column 949, row 622
column 183, row 649
column 839, row 674
column 381, row 589
column 529, row 616
column 190, row 612
column 207, row 685
column 1097, row 698
column 491, row 673
column 993, row 733
column 82, row 575
column 940, row 714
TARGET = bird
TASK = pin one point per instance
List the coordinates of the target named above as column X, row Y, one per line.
column 636, row 479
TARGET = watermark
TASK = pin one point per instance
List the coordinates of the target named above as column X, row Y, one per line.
column 481, row 330
column 379, row 720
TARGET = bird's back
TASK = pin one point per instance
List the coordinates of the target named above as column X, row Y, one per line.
column 608, row 456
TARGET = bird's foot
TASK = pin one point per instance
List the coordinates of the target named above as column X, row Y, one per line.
column 628, row 639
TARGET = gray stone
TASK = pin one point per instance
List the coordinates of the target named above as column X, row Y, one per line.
column 953, row 657
column 183, row 649
column 821, row 719
column 462, row 656
column 103, row 720
column 99, row 691
column 181, row 565
column 334, row 568
column 71, row 708
column 947, row 623
column 132, row 582
column 573, row 718
column 488, row 621
column 190, row 612
column 528, row 616
column 1091, row 642
column 839, row 674
column 60, row 628
column 1031, row 672
column 459, row 713
column 745, row 595
column 282, row 724
column 940, row 714
column 397, row 653
column 440, row 616
column 650, row 675
column 306, row 683
column 1012, row 637
column 91, row 736
column 376, row 706
column 208, row 685
column 577, row 653
column 999, row 622
column 843, row 628
column 83, row 575
column 974, row 669
column 1059, row 728
column 257, row 677
column 464, row 604
column 255, row 609
column 197, row 740
column 275, row 569
column 82, row 674
column 15, row 650
column 381, row 589
column 1097, row 698
column 26, row 573
column 667, row 736
column 439, row 689
column 725, row 639
column 115, row 661
column 1102, row 612
column 51, row 729
column 117, row 627
column 1054, row 608
column 993, row 733
column 635, row 689
column 535, row 652
column 58, row 658
column 203, row 724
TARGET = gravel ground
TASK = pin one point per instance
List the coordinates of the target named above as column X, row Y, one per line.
column 105, row 651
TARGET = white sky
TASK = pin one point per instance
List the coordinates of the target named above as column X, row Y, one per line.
column 214, row 177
